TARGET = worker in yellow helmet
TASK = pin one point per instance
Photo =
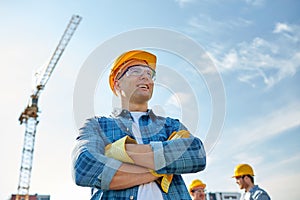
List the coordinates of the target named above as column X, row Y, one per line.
column 197, row 190
column 135, row 154
column 244, row 176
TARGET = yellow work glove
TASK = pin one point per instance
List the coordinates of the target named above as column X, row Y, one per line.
column 179, row 134
column 166, row 179
column 117, row 149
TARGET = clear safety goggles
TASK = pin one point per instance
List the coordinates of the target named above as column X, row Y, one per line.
column 198, row 190
column 139, row 70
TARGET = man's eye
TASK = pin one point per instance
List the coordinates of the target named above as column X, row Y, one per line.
column 136, row 71
column 149, row 74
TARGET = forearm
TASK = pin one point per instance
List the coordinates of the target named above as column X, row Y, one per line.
column 130, row 175
column 169, row 157
column 141, row 154
column 179, row 156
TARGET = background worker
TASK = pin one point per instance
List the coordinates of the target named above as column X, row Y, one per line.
column 197, row 190
column 136, row 154
column 244, row 176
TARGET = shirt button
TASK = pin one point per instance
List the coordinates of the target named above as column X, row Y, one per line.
column 131, row 197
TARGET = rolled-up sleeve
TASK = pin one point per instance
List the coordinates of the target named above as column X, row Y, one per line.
column 90, row 167
column 159, row 158
column 179, row 156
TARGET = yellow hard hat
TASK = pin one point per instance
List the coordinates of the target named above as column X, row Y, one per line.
column 196, row 183
column 243, row 169
column 123, row 58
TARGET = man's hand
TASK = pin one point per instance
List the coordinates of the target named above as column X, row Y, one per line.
column 117, row 149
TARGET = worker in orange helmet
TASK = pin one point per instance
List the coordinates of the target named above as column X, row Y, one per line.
column 197, row 190
column 244, row 176
column 130, row 155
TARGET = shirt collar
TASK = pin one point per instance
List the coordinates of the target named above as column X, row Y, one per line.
column 254, row 188
column 126, row 114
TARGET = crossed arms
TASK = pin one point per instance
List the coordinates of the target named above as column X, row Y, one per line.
column 93, row 169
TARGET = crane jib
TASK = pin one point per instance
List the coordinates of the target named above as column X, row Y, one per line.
column 30, row 115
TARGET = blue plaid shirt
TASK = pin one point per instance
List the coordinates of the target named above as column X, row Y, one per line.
column 93, row 169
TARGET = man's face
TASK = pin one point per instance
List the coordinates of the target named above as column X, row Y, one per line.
column 133, row 88
column 198, row 193
column 241, row 182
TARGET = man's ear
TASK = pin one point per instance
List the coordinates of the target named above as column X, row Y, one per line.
column 117, row 86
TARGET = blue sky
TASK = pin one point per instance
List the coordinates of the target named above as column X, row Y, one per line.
column 254, row 44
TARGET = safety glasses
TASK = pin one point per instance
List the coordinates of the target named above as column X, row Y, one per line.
column 139, row 70
column 238, row 177
column 198, row 190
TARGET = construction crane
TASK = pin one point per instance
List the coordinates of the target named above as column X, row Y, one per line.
column 29, row 116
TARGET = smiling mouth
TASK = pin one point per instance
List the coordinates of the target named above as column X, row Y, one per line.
column 143, row 86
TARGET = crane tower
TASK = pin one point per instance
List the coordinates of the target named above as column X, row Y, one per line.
column 29, row 116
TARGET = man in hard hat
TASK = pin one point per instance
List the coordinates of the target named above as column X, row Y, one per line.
column 197, row 190
column 244, row 176
column 135, row 154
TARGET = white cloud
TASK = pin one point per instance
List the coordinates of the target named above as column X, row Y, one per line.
column 230, row 60
column 290, row 32
column 202, row 23
column 268, row 60
column 255, row 2
column 264, row 60
column 258, row 130
column 267, row 126
column 282, row 27
column 184, row 2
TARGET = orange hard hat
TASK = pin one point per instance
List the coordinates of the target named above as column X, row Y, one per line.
column 196, row 183
column 243, row 169
column 118, row 64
